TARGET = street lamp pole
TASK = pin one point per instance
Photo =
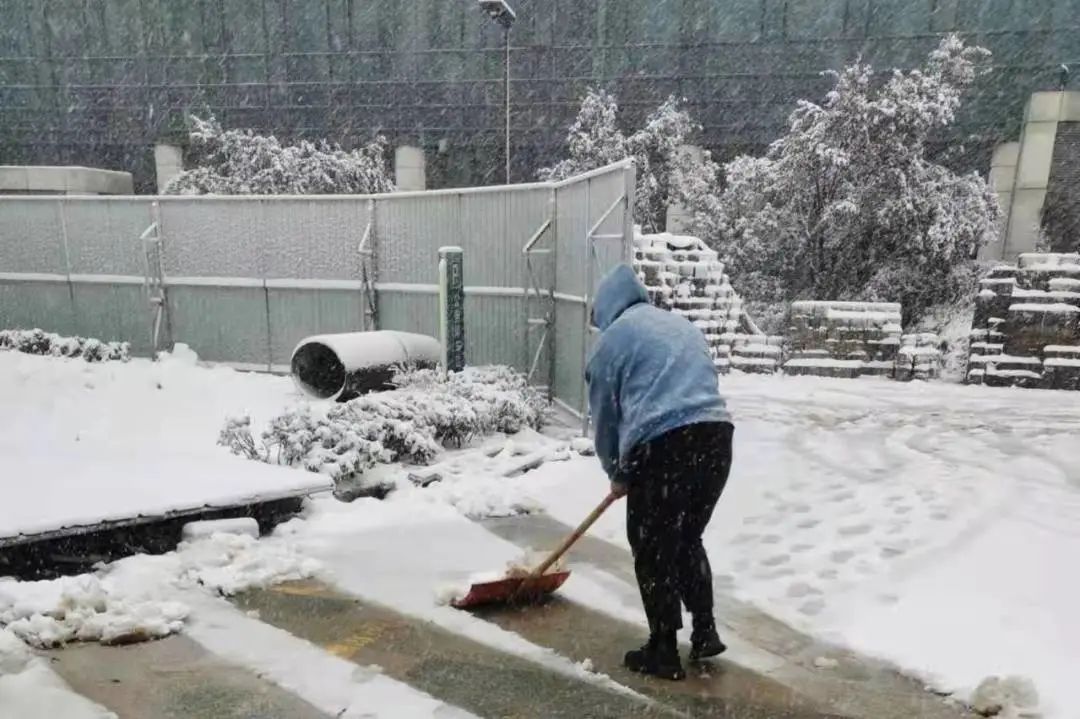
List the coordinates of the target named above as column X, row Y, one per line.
column 501, row 12
column 507, row 110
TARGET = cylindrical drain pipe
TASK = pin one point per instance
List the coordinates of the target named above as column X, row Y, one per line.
column 344, row 366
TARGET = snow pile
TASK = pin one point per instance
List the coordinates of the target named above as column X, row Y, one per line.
column 228, row 563
column 84, row 609
column 128, row 601
column 482, row 483
column 29, row 688
column 1009, row 698
column 409, row 425
column 40, row 342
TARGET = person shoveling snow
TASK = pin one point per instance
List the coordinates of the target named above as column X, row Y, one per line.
column 663, row 436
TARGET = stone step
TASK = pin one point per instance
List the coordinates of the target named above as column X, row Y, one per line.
column 754, row 365
column 1061, row 351
column 987, row 348
column 847, row 369
column 1006, row 363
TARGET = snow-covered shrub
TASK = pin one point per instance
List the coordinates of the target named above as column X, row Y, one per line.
column 240, row 162
column 502, row 399
column 411, row 424
column 664, row 173
column 847, row 205
column 39, row 342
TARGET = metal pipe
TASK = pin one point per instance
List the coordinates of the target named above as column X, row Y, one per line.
column 343, row 366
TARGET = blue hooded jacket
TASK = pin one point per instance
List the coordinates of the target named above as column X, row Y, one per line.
column 650, row 372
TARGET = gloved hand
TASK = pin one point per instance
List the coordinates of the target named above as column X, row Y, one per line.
column 619, row 489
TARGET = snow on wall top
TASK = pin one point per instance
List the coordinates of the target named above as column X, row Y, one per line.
column 668, row 240
column 1060, row 294
column 1064, row 284
column 1055, row 308
column 1049, row 260
column 822, row 306
column 864, row 318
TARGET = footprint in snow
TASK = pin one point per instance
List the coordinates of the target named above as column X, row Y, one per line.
column 855, row 530
column 775, row 561
column 780, row 573
column 802, row 589
column 841, row 556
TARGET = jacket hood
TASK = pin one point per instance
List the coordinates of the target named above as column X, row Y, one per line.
column 618, row 291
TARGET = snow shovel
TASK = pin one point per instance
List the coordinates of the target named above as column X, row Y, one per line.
column 534, row 585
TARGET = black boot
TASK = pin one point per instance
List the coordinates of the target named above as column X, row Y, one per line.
column 704, row 640
column 659, row 657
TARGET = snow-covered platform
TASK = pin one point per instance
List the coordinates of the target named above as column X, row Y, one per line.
column 88, row 447
column 85, row 492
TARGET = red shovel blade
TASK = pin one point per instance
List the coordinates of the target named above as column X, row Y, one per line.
column 513, row 590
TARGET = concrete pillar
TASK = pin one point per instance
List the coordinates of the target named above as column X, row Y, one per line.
column 678, row 219
column 1002, row 179
column 1032, row 177
column 168, row 163
column 409, row 168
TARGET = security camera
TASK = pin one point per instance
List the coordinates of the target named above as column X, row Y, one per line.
column 499, row 11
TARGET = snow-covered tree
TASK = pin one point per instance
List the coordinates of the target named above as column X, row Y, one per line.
column 847, row 205
column 240, row 162
column 663, row 171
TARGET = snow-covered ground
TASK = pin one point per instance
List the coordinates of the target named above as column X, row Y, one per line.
column 930, row 524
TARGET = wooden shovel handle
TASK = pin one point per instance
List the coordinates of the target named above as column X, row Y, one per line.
column 575, row 535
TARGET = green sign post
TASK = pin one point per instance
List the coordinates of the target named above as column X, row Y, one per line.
column 452, row 308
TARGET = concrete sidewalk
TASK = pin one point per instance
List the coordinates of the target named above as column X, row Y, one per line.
column 857, row 687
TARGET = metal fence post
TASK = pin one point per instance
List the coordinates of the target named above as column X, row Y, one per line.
column 587, row 317
column 154, row 284
column 366, row 250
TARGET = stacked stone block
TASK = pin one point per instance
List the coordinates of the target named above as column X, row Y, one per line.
column 919, row 357
column 1026, row 330
column 843, row 339
column 684, row 276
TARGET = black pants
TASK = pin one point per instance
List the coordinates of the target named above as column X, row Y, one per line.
column 674, row 484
